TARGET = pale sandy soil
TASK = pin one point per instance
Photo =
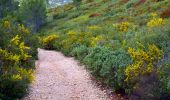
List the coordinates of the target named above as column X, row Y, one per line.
column 61, row 78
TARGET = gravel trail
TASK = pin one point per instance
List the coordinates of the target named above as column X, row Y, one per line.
column 61, row 78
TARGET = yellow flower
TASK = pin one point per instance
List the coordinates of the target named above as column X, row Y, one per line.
column 7, row 24
column 22, row 47
column 154, row 15
column 94, row 27
column 24, row 54
column 96, row 40
column 49, row 39
column 155, row 21
column 122, row 27
column 16, row 77
column 143, row 62
column 71, row 33
column 9, row 56
column 15, row 57
column 23, row 29
column 15, row 40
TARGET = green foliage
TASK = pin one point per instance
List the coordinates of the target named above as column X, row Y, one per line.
column 95, row 59
column 143, row 70
column 49, row 41
column 143, row 62
column 16, row 60
column 77, row 3
column 80, row 52
column 101, row 42
column 17, row 49
column 7, row 7
column 108, row 66
column 164, row 69
column 14, row 84
column 113, row 68
column 59, row 16
column 33, row 13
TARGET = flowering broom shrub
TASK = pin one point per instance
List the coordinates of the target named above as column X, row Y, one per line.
column 113, row 68
column 108, row 66
column 80, row 52
column 73, row 39
column 15, row 60
column 155, row 21
column 49, row 41
column 143, row 62
column 122, row 27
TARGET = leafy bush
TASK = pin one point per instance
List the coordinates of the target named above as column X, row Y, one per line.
column 165, row 77
column 108, row 66
column 113, row 69
column 163, row 69
column 75, row 14
column 73, row 38
column 80, row 52
column 143, row 69
column 15, row 60
column 143, row 62
column 77, row 3
column 14, row 84
column 59, row 16
column 49, row 41
column 95, row 59
column 7, row 7
column 33, row 13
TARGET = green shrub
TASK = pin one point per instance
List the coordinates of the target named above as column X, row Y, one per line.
column 77, row 3
column 101, row 42
column 80, row 52
column 16, row 59
column 7, row 7
column 108, row 66
column 14, row 84
column 59, row 16
column 113, row 68
column 75, row 14
column 164, row 69
column 48, row 41
column 33, row 13
column 95, row 58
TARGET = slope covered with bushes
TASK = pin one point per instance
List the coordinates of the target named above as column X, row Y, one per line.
column 124, row 43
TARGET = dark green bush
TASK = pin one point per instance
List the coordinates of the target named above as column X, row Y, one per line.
column 59, row 16
column 108, row 66
column 7, row 7
column 14, row 84
column 15, row 73
column 95, row 58
column 33, row 13
column 80, row 52
column 113, row 67
column 75, row 14
column 164, row 69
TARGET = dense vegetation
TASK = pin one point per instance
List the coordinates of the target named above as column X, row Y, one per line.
column 124, row 43
column 17, row 47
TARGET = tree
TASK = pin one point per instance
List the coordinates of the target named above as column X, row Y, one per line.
column 77, row 3
column 33, row 13
column 7, row 7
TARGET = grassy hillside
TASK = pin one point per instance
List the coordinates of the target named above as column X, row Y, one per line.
column 124, row 43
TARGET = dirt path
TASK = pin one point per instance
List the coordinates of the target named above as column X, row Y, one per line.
column 61, row 78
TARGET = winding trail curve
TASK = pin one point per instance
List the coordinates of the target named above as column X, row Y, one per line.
column 61, row 78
